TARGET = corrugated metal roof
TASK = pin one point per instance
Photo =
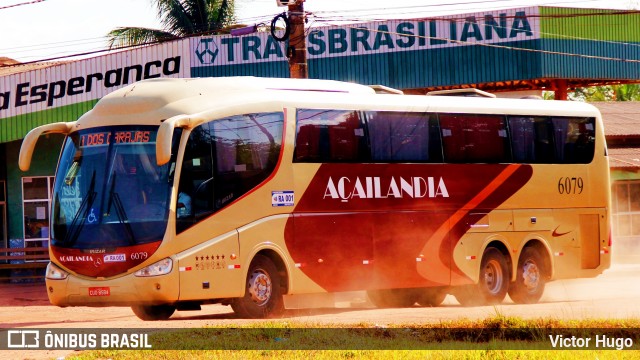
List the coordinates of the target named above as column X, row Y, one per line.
column 624, row 158
column 621, row 118
column 21, row 68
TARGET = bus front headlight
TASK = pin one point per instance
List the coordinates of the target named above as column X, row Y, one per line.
column 162, row 267
column 55, row 273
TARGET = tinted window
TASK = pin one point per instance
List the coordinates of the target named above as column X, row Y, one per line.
column 330, row 136
column 246, row 152
column 532, row 139
column 471, row 138
column 400, row 136
column 385, row 136
column 196, row 179
column 574, row 139
column 225, row 159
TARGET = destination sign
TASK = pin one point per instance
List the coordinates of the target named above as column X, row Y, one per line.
column 117, row 137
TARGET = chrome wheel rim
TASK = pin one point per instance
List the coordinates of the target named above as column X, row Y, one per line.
column 260, row 287
column 530, row 275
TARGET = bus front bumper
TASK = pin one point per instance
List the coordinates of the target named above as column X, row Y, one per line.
column 127, row 290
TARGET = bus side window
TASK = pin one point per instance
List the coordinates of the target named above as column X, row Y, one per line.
column 308, row 143
column 330, row 136
column 575, row 139
column 197, row 176
column 403, row 137
column 532, row 140
column 225, row 159
column 473, row 138
column 246, row 150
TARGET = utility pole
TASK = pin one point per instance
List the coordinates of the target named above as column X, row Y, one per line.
column 297, row 50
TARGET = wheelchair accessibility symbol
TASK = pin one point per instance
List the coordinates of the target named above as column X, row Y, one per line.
column 92, row 217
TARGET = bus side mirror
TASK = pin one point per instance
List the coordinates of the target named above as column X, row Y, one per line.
column 165, row 137
column 29, row 142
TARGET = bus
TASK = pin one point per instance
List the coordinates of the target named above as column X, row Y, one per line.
column 175, row 193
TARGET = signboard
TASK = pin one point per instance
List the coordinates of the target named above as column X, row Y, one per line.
column 374, row 37
column 89, row 79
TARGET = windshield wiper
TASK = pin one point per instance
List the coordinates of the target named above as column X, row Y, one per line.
column 114, row 198
column 78, row 221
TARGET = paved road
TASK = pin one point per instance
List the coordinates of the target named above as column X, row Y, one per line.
column 614, row 294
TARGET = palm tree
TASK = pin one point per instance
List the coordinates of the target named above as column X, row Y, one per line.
column 179, row 18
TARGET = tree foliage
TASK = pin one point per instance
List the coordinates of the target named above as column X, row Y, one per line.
column 624, row 92
column 179, row 18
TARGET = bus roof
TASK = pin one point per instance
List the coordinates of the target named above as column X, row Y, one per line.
column 153, row 101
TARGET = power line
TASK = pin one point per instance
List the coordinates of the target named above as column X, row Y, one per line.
column 465, row 20
column 321, row 20
column 21, row 4
column 463, row 17
column 514, row 48
column 260, row 20
column 412, row 9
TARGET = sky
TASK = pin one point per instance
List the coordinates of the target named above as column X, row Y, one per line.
column 32, row 30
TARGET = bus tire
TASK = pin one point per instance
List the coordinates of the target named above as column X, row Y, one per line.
column 431, row 297
column 493, row 281
column 263, row 294
column 530, row 278
column 153, row 312
column 392, row 298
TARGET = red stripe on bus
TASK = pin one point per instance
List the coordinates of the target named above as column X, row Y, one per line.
column 392, row 230
column 433, row 245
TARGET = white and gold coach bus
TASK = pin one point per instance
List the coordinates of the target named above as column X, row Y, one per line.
column 173, row 193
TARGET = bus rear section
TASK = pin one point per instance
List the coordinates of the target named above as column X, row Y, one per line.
column 477, row 203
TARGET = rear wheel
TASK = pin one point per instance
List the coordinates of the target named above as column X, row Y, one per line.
column 153, row 312
column 393, row 298
column 263, row 294
column 530, row 278
column 493, row 281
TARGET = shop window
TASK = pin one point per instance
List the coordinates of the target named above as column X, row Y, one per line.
column 3, row 214
column 625, row 205
column 36, row 198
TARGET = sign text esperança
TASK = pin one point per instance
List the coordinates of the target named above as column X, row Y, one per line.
column 27, row 93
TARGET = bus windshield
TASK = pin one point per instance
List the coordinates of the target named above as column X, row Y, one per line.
column 109, row 191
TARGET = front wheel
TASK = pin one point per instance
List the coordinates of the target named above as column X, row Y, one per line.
column 530, row 278
column 493, row 281
column 153, row 312
column 263, row 294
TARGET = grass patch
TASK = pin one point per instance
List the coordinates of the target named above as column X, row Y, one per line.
column 354, row 354
column 498, row 337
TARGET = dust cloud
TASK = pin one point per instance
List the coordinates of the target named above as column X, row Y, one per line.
column 614, row 288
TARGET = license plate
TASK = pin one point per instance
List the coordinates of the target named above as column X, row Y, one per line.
column 99, row 291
